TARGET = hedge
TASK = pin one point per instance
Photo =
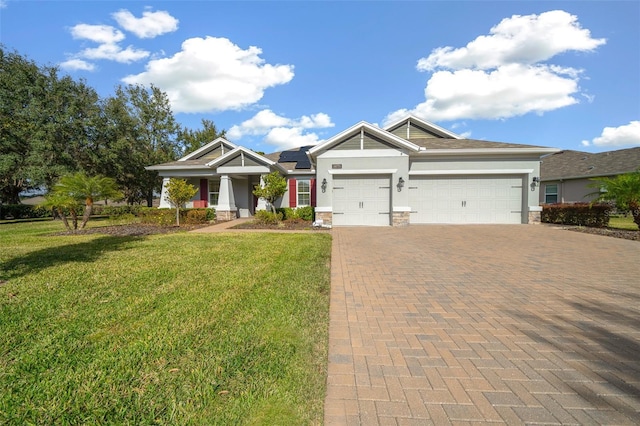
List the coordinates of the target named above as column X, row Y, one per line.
column 304, row 213
column 23, row 211
column 167, row 217
column 579, row 214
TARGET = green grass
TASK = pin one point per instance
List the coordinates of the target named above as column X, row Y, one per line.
column 168, row 329
column 621, row 222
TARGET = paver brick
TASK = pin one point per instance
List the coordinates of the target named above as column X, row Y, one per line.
column 481, row 324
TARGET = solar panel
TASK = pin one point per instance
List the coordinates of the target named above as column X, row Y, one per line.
column 298, row 156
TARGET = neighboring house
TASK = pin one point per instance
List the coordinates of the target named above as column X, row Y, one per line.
column 566, row 175
column 410, row 172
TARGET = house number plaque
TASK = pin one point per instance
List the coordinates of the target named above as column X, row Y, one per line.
column 336, row 166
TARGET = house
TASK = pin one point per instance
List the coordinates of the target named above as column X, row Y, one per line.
column 566, row 175
column 410, row 172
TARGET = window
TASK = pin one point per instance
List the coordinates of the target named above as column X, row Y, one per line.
column 551, row 193
column 304, row 193
column 214, row 192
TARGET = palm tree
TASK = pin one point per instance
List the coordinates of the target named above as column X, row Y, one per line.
column 61, row 205
column 624, row 190
column 81, row 187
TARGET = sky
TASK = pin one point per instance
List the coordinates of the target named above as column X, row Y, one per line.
column 277, row 75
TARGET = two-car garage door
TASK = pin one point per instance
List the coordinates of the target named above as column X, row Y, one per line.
column 465, row 199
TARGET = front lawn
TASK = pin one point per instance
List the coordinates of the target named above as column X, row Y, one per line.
column 622, row 222
column 164, row 329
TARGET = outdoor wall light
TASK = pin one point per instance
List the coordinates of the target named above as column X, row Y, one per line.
column 400, row 184
column 323, row 185
column 535, row 182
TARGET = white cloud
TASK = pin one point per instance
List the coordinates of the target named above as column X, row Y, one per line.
column 520, row 39
column 213, row 74
column 77, row 65
column 504, row 74
column 152, row 24
column 626, row 135
column 3, row 4
column 281, row 132
column 114, row 52
column 98, row 33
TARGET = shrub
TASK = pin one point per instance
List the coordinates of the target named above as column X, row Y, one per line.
column 580, row 214
column 287, row 213
column 122, row 219
column 306, row 213
column 114, row 211
column 198, row 216
column 266, row 217
column 154, row 216
column 23, row 211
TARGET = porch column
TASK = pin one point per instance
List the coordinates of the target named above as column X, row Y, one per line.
column 262, row 203
column 164, row 204
column 226, row 209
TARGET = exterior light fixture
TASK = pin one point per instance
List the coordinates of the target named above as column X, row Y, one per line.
column 535, row 182
column 323, row 185
column 400, row 184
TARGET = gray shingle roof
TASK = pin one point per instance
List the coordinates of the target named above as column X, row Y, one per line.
column 577, row 164
column 450, row 143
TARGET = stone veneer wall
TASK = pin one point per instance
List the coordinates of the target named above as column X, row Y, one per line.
column 534, row 218
column 325, row 217
column 225, row 216
column 400, row 219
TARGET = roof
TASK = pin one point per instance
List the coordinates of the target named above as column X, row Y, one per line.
column 570, row 164
column 450, row 143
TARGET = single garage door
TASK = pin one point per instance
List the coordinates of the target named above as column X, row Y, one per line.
column 361, row 200
column 466, row 199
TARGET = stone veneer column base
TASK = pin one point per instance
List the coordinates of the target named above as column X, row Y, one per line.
column 400, row 219
column 225, row 215
column 534, row 218
column 325, row 217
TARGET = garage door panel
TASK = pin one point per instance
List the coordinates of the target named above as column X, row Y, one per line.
column 361, row 200
column 466, row 199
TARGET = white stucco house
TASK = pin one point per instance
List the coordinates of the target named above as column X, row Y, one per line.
column 410, row 172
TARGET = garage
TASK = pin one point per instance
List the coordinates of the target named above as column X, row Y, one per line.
column 361, row 200
column 465, row 199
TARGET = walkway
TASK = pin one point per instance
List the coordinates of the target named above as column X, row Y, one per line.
column 483, row 324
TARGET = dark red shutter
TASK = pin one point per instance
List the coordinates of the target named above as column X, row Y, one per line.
column 313, row 192
column 293, row 193
column 204, row 191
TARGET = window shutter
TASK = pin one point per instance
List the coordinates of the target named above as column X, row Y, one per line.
column 293, row 193
column 204, row 191
column 313, row 192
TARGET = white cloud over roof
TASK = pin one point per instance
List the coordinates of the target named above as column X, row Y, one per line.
column 212, row 74
column 114, row 52
column 150, row 25
column 282, row 132
column 504, row 74
column 626, row 135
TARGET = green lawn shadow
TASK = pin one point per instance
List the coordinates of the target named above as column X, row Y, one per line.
column 84, row 252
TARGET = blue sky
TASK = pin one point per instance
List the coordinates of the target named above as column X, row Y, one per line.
column 282, row 74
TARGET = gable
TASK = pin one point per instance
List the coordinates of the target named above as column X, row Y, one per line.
column 240, row 160
column 363, row 140
column 411, row 130
column 210, row 151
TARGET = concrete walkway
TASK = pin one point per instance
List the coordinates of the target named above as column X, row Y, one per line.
column 483, row 324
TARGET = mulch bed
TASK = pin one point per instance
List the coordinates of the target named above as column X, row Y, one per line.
column 607, row 232
column 285, row 225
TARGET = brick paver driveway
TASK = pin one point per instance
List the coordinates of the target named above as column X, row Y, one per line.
column 480, row 324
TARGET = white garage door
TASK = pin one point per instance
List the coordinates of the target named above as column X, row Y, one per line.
column 466, row 199
column 361, row 200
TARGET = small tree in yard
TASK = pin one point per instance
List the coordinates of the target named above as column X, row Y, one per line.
column 61, row 205
column 274, row 187
column 624, row 190
column 178, row 193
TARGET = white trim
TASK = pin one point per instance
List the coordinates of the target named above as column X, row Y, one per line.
column 208, row 146
column 401, row 209
column 484, row 151
column 238, row 170
column 535, row 208
column 365, row 153
column 324, row 209
column 471, row 172
column 308, row 180
column 178, row 167
column 362, row 172
column 424, row 123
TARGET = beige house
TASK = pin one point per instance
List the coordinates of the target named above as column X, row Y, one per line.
column 566, row 175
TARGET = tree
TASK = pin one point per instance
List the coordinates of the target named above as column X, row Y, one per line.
column 274, row 187
column 61, row 204
column 178, row 193
column 192, row 140
column 81, row 187
column 624, row 190
column 140, row 131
